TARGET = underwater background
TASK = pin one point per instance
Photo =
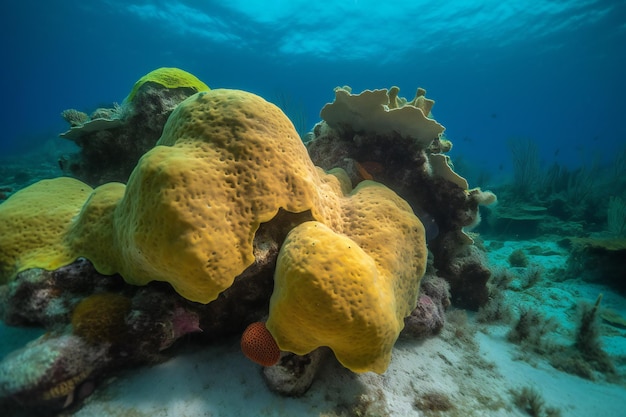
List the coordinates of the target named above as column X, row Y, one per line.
column 550, row 71
column 531, row 95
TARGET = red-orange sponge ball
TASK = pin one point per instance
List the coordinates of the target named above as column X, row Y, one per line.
column 258, row 344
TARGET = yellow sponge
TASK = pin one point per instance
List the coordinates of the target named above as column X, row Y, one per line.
column 92, row 233
column 350, row 292
column 326, row 292
column 33, row 225
column 227, row 161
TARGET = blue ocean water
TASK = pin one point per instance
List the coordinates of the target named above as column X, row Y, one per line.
column 550, row 71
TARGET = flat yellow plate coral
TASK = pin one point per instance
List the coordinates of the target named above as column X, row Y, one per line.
column 168, row 78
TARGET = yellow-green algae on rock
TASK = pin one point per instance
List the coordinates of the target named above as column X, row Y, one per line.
column 169, row 78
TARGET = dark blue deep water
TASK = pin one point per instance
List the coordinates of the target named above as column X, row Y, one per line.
column 552, row 71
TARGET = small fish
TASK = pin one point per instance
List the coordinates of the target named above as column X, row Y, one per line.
column 369, row 169
column 363, row 173
column 373, row 167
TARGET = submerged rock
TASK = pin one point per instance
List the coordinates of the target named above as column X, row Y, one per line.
column 111, row 140
column 293, row 374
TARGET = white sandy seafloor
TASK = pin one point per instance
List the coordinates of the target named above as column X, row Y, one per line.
column 472, row 364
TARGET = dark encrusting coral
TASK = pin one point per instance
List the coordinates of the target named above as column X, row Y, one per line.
column 112, row 140
column 404, row 167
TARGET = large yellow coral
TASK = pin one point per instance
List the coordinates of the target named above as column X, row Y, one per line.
column 350, row 291
column 228, row 161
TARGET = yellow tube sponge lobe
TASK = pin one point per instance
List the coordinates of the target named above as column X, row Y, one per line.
column 34, row 223
column 227, row 161
column 350, row 291
column 322, row 299
column 92, row 233
column 169, row 78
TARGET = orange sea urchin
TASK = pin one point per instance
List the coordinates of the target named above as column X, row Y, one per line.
column 258, row 344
